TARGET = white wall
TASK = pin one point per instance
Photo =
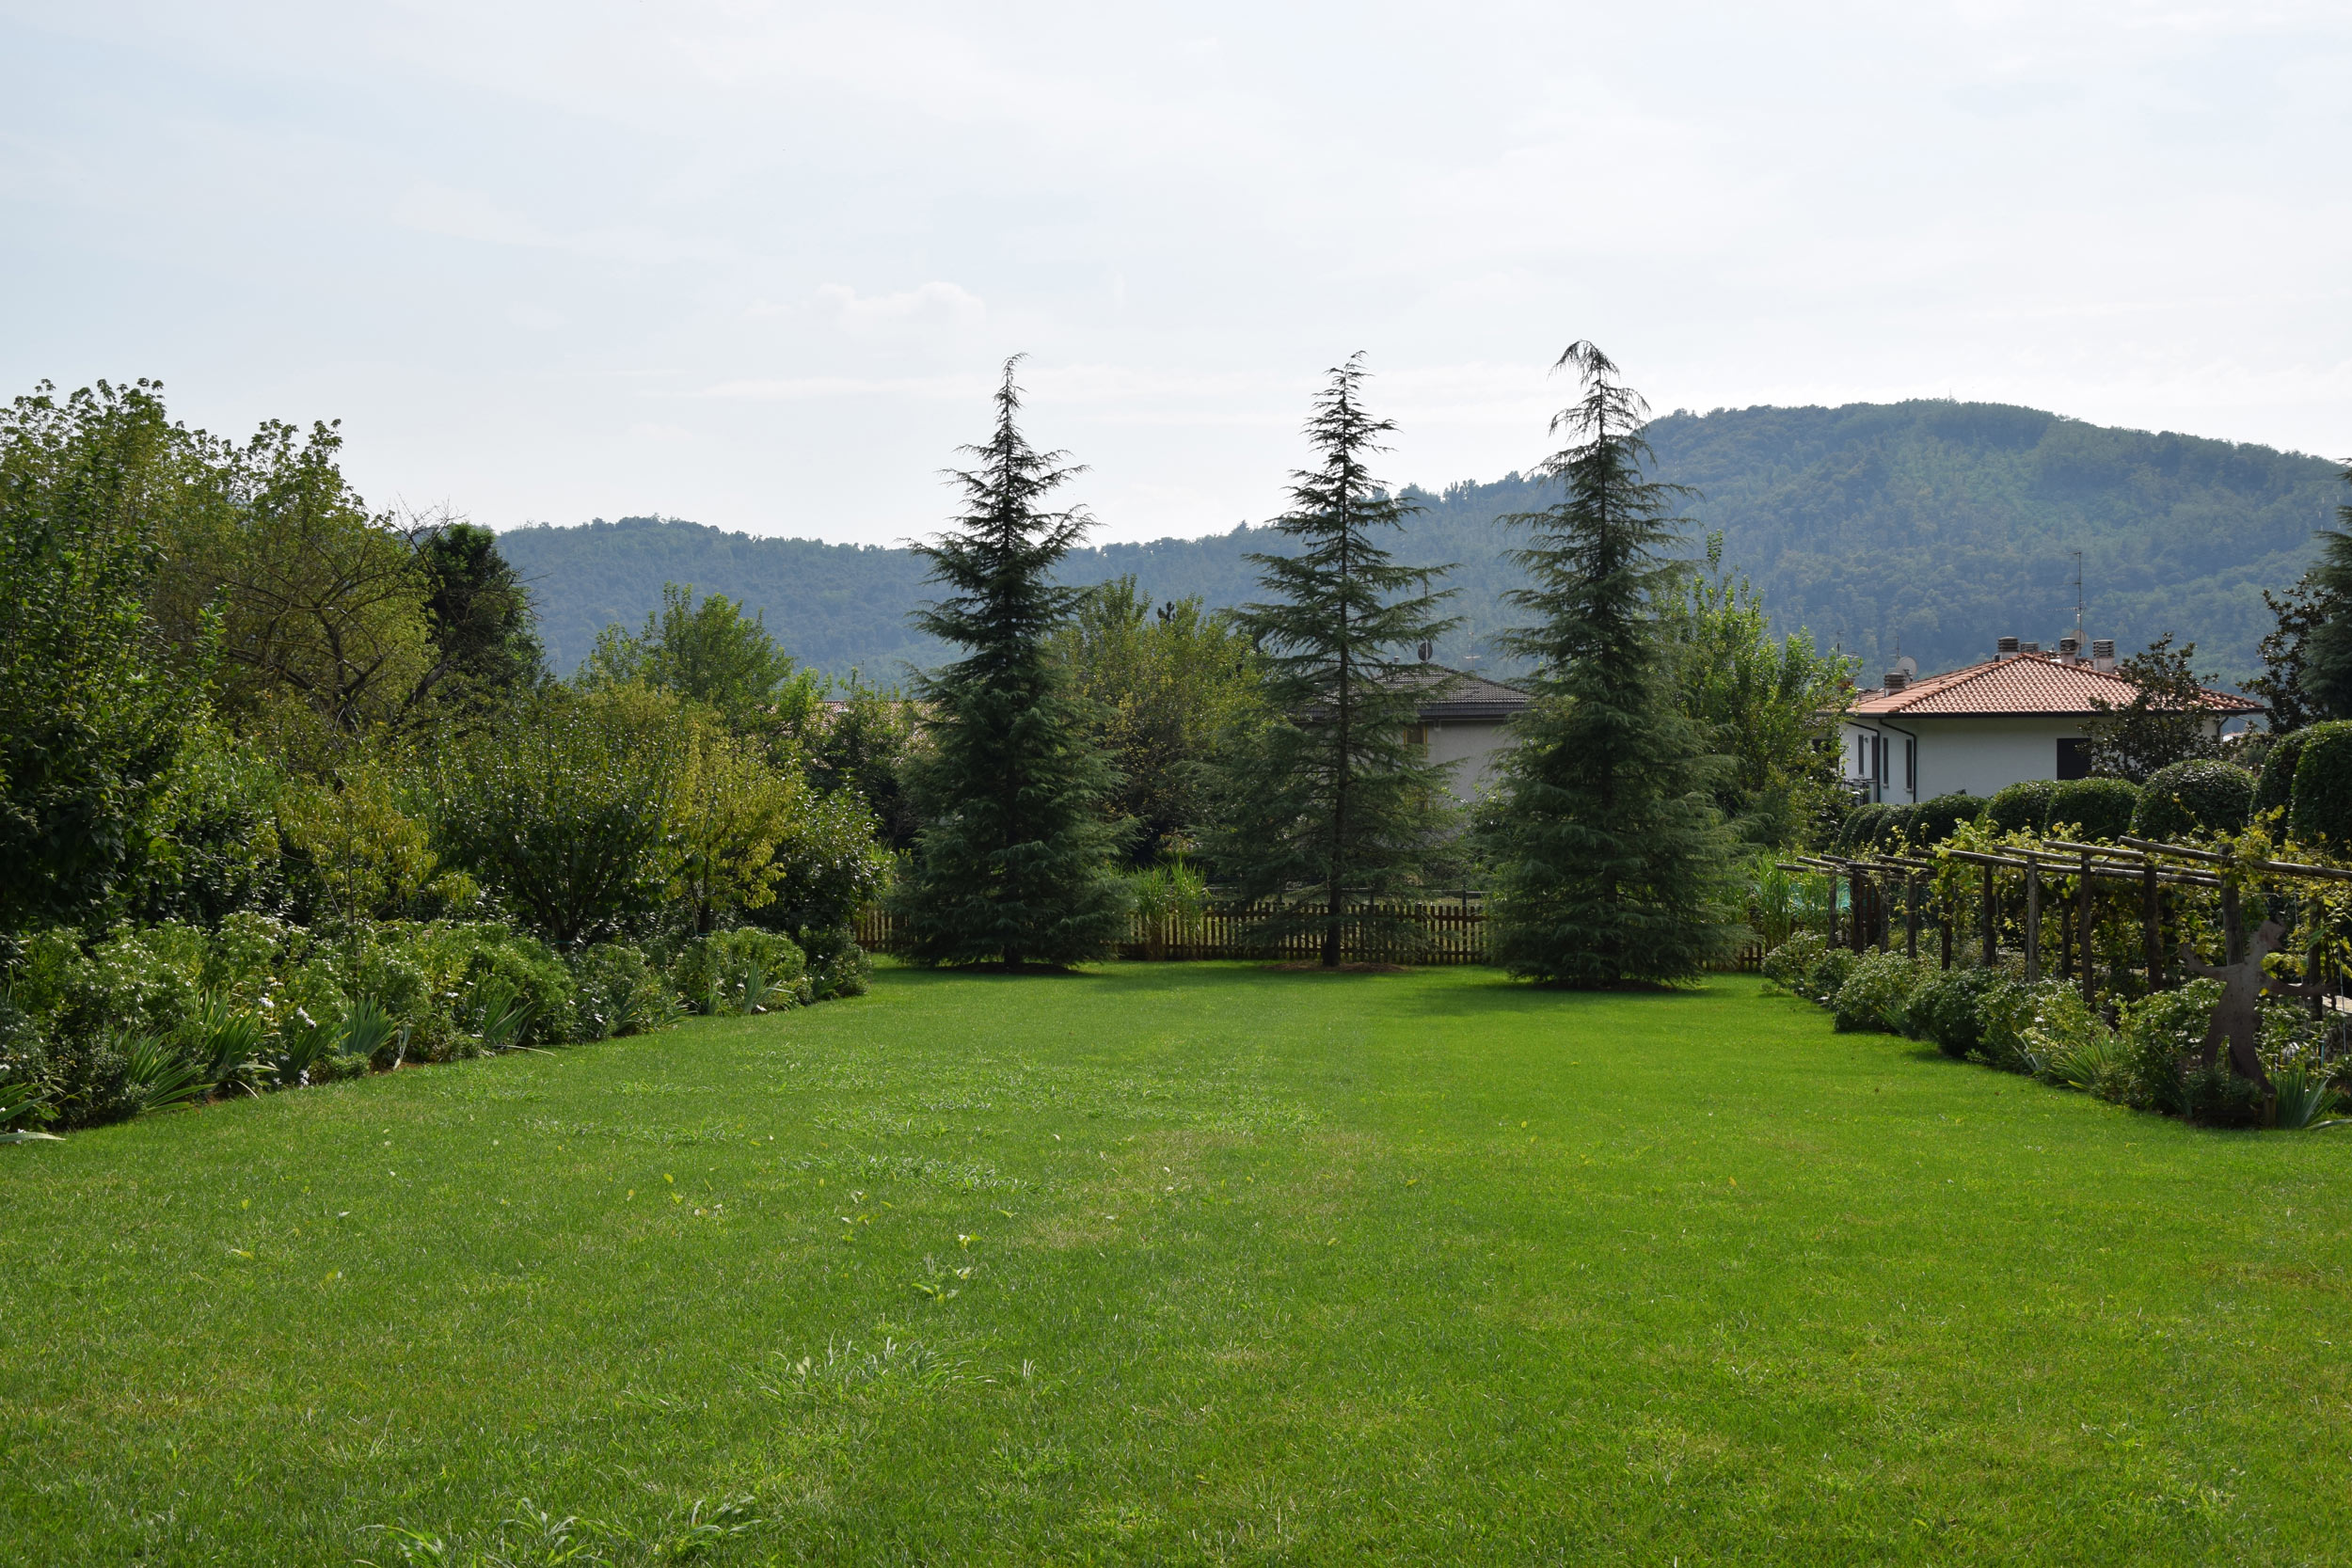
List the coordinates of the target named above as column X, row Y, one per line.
column 1475, row 746
column 1976, row 756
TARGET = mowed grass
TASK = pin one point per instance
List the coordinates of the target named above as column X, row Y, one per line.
column 1183, row 1264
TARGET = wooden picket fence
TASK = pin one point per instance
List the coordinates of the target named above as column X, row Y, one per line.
column 1402, row 933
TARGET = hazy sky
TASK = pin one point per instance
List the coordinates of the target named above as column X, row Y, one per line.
column 756, row 264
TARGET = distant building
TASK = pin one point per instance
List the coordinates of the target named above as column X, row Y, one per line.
column 1461, row 723
column 2022, row 714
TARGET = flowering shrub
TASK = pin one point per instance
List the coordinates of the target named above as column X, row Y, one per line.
column 1876, row 994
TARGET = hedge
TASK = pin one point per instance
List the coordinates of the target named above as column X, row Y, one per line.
column 2275, row 789
column 2323, row 785
column 2194, row 799
column 2100, row 809
column 1937, row 817
column 2021, row 807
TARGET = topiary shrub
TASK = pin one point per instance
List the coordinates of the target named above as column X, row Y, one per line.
column 1946, row 1011
column 2194, row 799
column 2023, row 807
column 1876, row 994
column 2323, row 786
column 2274, row 788
column 1895, row 829
column 1933, row 821
column 1863, row 825
column 2100, row 810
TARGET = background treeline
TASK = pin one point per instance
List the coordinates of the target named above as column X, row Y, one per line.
column 287, row 792
column 1940, row 525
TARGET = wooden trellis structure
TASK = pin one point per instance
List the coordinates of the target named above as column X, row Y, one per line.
column 1871, row 880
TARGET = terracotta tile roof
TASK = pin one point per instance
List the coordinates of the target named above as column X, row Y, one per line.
column 2017, row 686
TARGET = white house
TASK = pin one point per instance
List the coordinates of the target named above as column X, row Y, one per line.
column 2022, row 714
column 1461, row 723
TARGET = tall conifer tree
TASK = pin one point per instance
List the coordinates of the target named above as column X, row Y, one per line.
column 1613, row 864
column 1013, row 861
column 1333, row 795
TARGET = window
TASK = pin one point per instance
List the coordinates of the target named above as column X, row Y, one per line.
column 1417, row 736
column 1910, row 767
column 2074, row 758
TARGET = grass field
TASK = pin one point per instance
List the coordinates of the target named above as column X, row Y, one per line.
column 1178, row 1264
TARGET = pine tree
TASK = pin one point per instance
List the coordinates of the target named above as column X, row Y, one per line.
column 1613, row 864
column 1332, row 795
column 1013, row 861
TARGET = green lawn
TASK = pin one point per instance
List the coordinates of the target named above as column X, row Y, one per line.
column 1261, row 1267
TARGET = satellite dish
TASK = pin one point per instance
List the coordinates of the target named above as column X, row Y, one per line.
column 1908, row 665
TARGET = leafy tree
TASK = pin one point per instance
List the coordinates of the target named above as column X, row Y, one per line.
column 1613, row 864
column 1768, row 703
column 730, row 812
column 1013, row 862
column 90, row 718
column 1170, row 684
column 319, row 606
column 2307, row 657
column 1328, row 802
column 2169, row 720
column 860, row 744
column 708, row 652
column 563, row 812
column 478, row 613
column 831, row 866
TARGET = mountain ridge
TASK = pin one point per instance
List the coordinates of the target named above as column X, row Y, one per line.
column 1929, row 525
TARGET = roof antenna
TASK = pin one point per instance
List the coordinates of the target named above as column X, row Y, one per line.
column 2078, row 601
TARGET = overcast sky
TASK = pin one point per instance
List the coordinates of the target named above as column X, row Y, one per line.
column 756, row 264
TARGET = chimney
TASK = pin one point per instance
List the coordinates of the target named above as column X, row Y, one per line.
column 2028, row 647
column 2070, row 649
column 1897, row 680
column 2102, row 653
column 2005, row 648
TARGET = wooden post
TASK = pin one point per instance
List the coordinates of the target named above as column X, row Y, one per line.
column 1944, row 927
column 2233, row 925
column 2083, row 919
column 1910, row 916
column 2150, row 934
column 1991, row 924
column 2033, row 920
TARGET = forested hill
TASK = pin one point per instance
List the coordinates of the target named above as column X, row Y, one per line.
column 1944, row 524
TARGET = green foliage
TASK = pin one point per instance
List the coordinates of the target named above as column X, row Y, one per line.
column 1865, row 826
column 2326, row 677
column 616, row 991
column 1613, row 864
column 1014, row 859
column 478, row 614
column 1949, row 1007
column 90, row 722
column 1767, row 704
column 1790, row 963
column 1829, row 974
column 2167, row 721
column 562, row 811
column 1170, row 687
column 1877, row 992
column 710, row 653
column 1935, row 818
column 2322, row 796
column 212, row 845
column 863, row 748
column 2098, row 810
column 831, row 866
column 2023, row 807
column 2195, row 801
column 739, row 971
column 2274, row 787
column 1325, row 798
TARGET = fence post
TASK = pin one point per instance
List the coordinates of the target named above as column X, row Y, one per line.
column 2083, row 940
column 2151, row 911
column 1992, row 920
column 2033, row 919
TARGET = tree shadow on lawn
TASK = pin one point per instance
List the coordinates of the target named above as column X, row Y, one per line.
column 1499, row 993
